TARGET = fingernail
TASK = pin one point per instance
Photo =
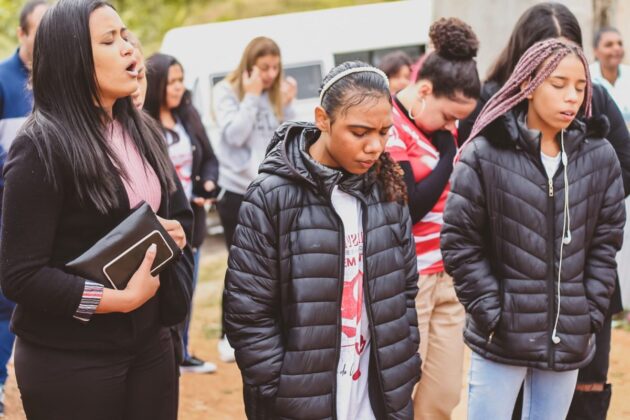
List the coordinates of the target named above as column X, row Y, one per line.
column 153, row 248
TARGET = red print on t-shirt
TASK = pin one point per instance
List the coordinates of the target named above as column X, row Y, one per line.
column 351, row 305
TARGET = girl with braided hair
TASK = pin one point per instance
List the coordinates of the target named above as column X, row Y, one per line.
column 322, row 277
column 554, row 20
column 422, row 143
column 531, row 228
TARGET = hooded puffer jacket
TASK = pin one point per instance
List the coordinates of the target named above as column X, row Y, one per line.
column 502, row 243
column 618, row 136
column 284, row 282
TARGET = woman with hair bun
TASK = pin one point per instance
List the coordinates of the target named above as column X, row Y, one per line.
column 321, row 280
column 422, row 141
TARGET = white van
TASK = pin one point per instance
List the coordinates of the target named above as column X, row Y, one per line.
column 311, row 43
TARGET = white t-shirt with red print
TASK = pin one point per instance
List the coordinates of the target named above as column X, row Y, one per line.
column 353, row 400
column 180, row 152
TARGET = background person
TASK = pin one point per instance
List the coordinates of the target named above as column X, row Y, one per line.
column 189, row 148
column 84, row 350
column 16, row 103
column 140, row 94
column 425, row 114
column 16, row 98
column 249, row 104
column 532, row 224
column 608, row 69
column 552, row 20
column 397, row 66
column 614, row 76
column 321, row 281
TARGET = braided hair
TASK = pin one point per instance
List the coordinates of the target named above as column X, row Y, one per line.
column 538, row 62
column 352, row 90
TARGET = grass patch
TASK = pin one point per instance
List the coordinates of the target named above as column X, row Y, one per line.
column 211, row 331
column 213, row 269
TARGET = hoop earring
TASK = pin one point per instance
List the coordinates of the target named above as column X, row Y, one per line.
column 409, row 112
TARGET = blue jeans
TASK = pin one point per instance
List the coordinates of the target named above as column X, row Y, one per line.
column 493, row 388
column 197, row 256
column 6, row 347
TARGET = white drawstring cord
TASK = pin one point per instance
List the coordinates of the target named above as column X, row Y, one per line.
column 566, row 234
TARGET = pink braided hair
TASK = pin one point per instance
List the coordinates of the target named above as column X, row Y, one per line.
column 532, row 65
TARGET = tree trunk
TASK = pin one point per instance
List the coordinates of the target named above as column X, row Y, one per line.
column 603, row 12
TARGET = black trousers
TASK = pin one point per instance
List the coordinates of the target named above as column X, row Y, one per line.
column 228, row 207
column 135, row 384
column 594, row 405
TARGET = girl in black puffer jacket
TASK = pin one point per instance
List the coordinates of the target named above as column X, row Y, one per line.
column 554, row 20
column 321, row 281
column 531, row 228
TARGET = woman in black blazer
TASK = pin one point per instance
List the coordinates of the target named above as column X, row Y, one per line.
column 82, row 161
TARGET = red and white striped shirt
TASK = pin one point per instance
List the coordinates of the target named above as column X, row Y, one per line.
column 407, row 143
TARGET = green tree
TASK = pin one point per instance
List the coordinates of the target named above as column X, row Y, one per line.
column 151, row 19
column 9, row 12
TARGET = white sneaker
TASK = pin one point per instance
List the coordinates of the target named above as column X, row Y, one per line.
column 195, row 365
column 226, row 352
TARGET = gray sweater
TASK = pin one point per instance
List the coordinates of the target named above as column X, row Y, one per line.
column 246, row 129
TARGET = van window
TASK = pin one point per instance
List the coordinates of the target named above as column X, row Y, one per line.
column 216, row 78
column 373, row 57
column 308, row 77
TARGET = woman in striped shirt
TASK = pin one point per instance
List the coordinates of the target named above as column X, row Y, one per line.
column 422, row 143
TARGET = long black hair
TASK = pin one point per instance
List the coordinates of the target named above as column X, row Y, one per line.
column 538, row 23
column 352, row 90
column 158, row 66
column 68, row 124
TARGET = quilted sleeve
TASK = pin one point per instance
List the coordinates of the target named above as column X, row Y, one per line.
column 462, row 243
column 600, row 267
column 251, row 298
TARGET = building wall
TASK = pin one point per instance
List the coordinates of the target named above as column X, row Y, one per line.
column 620, row 16
column 493, row 21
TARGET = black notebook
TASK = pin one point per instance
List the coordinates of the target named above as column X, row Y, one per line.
column 116, row 257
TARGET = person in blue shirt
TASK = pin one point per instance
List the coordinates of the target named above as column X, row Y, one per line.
column 16, row 103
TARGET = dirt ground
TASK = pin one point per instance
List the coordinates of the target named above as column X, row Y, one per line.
column 218, row 396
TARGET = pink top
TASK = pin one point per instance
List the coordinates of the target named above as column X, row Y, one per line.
column 143, row 184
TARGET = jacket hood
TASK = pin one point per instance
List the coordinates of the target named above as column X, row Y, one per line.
column 287, row 156
column 506, row 132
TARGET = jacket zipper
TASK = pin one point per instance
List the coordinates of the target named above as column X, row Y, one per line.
column 366, row 295
column 550, row 276
column 551, row 297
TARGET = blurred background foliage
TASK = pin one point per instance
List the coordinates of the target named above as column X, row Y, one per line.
column 151, row 19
